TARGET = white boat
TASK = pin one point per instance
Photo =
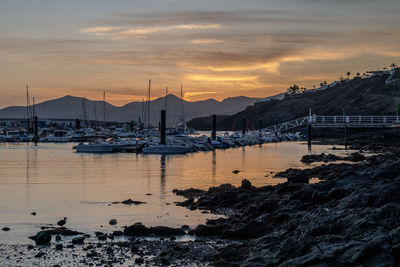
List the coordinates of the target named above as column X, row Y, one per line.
column 165, row 149
column 99, row 147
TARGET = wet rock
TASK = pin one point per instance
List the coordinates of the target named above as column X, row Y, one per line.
column 118, row 233
column 166, row 231
column 137, row 229
column 59, row 247
column 42, row 237
column 139, row 261
column 34, row 213
column 130, row 202
column 101, row 236
column 113, row 222
column 208, row 230
column 58, row 238
column 189, row 193
column 91, row 254
column 5, row 229
column 165, row 261
column 354, row 157
column 246, row 184
column 40, row 254
column 78, row 240
column 187, row 203
column 236, row 171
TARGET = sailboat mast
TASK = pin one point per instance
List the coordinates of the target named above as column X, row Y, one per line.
column 148, row 106
column 27, row 107
column 183, row 111
column 84, row 112
column 33, row 108
column 166, row 97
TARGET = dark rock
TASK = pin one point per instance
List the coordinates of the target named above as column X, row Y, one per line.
column 246, row 184
column 118, row 233
column 137, row 229
column 189, row 192
column 186, row 203
column 40, row 254
column 42, row 237
column 59, row 247
column 236, row 171
column 78, row 240
column 166, row 231
column 113, row 222
column 130, row 202
column 58, row 238
column 6, row 229
column 139, row 261
column 33, row 213
column 165, row 261
column 208, row 230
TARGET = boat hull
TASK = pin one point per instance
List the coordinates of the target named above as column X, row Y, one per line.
column 165, row 150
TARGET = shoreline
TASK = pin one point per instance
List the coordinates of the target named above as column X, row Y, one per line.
column 340, row 220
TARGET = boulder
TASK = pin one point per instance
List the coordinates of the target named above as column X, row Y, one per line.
column 78, row 240
column 137, row 229
column 42, row 237
column 165, row 231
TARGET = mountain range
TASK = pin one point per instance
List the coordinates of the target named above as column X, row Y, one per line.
column 70, row 107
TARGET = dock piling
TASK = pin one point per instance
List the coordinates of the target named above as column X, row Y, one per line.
column 163, row 126
column 243, row 125
column 214, row 127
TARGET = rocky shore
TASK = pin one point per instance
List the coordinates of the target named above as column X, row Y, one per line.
column 351, row 217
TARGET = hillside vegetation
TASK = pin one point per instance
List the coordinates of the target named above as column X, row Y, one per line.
column 356, row 97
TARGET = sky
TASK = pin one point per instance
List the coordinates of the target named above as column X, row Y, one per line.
column 214, row 48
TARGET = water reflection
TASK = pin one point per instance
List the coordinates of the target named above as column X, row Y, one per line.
column 57, row 182
column 162, row 178
column 214, row 166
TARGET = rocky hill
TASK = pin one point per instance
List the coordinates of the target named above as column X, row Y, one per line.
column 70, row 107
column 367, row 96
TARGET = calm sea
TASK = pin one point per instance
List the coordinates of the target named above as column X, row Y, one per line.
column 54, row 181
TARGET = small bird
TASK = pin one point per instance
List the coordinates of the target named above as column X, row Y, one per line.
column 62, row 222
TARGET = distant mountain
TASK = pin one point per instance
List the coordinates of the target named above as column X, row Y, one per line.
column 368, row 96
column 70, row 107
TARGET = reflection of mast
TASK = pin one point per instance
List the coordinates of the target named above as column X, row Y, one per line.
column 27, row 166
column 28, row 115
column 214, row 165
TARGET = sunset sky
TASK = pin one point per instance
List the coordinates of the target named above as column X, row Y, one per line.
column 216, row 49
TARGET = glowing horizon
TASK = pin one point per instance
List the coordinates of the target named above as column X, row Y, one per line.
column 216, row 50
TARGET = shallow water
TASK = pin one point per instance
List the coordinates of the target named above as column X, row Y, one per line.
column 55, row 182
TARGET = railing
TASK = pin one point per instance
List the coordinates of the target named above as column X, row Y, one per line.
column 288, row 125
column 354, row 121
column 338, row 121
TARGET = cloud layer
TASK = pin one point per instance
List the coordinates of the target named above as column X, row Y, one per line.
column 256, row 50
